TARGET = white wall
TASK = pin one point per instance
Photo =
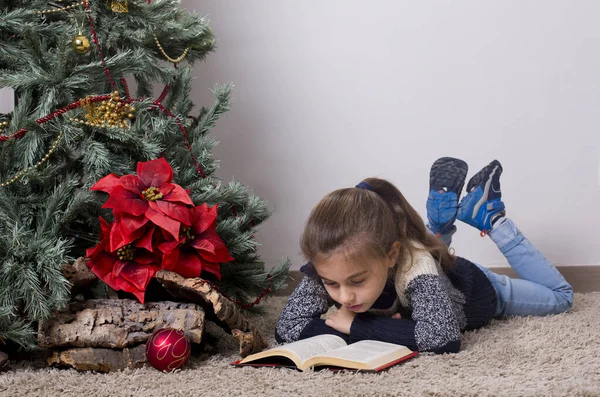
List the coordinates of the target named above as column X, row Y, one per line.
column 6, row 100
column 328, row 93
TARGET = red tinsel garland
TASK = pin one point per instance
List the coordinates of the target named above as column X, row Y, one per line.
column 95, row 39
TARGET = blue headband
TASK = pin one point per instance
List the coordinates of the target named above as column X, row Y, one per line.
column 364, row 185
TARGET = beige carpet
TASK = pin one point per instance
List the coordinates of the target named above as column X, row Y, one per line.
column 552, row 356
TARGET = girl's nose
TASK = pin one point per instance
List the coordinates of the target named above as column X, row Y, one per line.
column 347, row 297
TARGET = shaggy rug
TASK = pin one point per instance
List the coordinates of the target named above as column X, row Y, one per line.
column 551, row 356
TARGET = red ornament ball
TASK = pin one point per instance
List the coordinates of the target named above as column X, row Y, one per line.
column 168, row 349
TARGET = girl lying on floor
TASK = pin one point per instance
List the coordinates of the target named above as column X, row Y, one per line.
column 393, row 279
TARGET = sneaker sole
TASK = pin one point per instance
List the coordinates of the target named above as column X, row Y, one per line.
column 448, row 173
column 476, row 181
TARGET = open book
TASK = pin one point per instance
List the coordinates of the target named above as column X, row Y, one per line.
column 333, row 352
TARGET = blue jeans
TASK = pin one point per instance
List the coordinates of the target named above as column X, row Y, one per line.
column 541, row 289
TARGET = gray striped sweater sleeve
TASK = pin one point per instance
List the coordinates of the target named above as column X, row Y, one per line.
column 303, row 308
column 436, row 325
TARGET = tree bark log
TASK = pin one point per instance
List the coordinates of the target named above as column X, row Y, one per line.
column 250, row 342
column 99, row 359
column 78, row 275
column 198, row 291
column 118, row 323
column 3, row 359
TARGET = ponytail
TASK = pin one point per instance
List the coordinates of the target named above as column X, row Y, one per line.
column 410, row 225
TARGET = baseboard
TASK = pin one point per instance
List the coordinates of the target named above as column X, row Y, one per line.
column 582, row 278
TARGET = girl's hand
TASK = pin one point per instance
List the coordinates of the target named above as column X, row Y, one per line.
column 397, row 316
column 341, row 320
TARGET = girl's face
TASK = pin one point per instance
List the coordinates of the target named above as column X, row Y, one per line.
column 356, row 285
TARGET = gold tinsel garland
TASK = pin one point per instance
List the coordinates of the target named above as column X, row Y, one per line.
column 162, row 51
column 22, row 173
column 59, row 9
column 120, row 6
column 112, row 113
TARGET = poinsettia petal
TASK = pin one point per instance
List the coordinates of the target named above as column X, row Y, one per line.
column 155, row 172
column 222, row 254
column 176, row 211
column 212, row 267
column 208, row 252
column 203, row 218
column 90, row 252
column 121, row 284
column 138, row 275
column 166, row 188
column 133, row 184
column 145, row 241
column 106, row 184
column 104, row 226
column 116, row 238
column 123, row 200
column 168, row 246
column 131, row 226
column 177, row 195
column 110, row 280
column 118, row 266
column 164, row 222
column 104, row 240
column 101, row 265
column 139, row 294
column 211, row 247
column 189, row 265
column 206, row 246
column 170, row 260
column 166, row 235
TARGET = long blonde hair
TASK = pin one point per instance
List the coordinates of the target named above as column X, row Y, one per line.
column 352, row 221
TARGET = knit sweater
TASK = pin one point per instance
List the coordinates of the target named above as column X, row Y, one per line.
column 435, row 307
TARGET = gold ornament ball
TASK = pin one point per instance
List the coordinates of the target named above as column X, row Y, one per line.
column 81, row 44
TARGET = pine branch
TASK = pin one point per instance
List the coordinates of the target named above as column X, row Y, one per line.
column 30, row 276
column 222, row 104
column 245, row 282
column 15, row 330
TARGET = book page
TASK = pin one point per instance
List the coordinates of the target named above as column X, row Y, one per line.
column 313, row 346
column 367, row 351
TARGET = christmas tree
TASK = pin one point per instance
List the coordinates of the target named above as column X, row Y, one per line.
column 84, row 75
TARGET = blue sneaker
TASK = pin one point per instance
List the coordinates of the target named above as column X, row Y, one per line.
column 483, row 205
column 446, row 180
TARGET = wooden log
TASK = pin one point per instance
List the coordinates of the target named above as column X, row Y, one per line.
column 78, row 274
column 3, row 359
column 230, row 318
column 99, row 359
column 250, row 342
column 118, row 323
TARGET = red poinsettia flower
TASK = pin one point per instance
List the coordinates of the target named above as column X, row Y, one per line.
column 128, row 268
column 199, row 247
column 149, row 196
column 126, row 230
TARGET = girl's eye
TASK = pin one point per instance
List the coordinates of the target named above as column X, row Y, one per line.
column 329, row 283
column 357, row 282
